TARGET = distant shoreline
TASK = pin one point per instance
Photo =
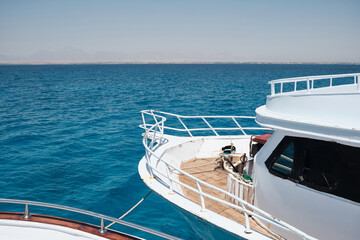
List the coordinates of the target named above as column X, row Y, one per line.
column 160, row 62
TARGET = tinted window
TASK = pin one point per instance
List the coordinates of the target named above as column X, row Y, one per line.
column 284, row 161
column 321, row 164
column 325, row 166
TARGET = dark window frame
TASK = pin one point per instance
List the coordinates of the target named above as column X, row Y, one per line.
column 274, row 156
column 339, row 165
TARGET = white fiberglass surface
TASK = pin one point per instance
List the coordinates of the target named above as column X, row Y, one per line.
column 16, row 230
column 339, row 109
column 319, row 214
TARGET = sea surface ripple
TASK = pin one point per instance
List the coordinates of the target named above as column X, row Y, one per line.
column 69, row 133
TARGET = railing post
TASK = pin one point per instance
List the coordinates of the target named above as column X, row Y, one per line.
column 307, row 85
column 162, row 128
column 331, row 82
column 147, row 157
column 184, row 126
column 27, row 214
column 201, row 196
column 272, row 89
column 212, row 129
column 241, row 129
column 358, row 83
column 152, row 113
column 153, row 138
column 102, row 229
column 247, row 224
column 170, row 182
column 143, row 119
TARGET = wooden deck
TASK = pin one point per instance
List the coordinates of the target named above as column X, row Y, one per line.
column 207, row 170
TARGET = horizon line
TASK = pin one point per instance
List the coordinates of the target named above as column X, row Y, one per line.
column 105, row 62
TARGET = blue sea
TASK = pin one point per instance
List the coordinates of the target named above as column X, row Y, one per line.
column 69, row 133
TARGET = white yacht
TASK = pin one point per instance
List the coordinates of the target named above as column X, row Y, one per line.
column 295, row 177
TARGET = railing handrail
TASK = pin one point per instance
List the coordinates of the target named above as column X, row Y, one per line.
column 257, row 212
column 209, row 127
column 310, row 82
column 192, row 116
column 204, row 129
column 87, row 213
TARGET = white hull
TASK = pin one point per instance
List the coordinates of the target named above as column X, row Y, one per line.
column 178, row 147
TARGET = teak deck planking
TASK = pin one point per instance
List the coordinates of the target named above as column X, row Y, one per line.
column 215, row 176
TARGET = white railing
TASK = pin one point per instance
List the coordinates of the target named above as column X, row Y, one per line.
column 102, row 228
column 159, row 117
column 154, row 138
column 308, row 83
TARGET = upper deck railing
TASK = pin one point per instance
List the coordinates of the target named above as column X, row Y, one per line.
column 307, row 84
column 102, row 228
column 160, row 168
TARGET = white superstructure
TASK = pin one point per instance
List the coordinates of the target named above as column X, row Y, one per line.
column 329, row 118
column 304, row 177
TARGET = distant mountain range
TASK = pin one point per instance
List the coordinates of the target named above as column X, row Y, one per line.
column 76, row 56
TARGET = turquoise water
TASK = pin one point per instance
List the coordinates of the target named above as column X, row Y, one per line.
column 69, row 133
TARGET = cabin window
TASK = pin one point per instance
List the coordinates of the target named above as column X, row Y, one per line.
column 284, row 161
column 281, row 160
column 322, row 165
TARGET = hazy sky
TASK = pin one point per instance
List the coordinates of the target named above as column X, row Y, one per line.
column 169, row 30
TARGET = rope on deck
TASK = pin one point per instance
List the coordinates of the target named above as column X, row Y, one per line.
column 130, row 210
column 216, row 161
